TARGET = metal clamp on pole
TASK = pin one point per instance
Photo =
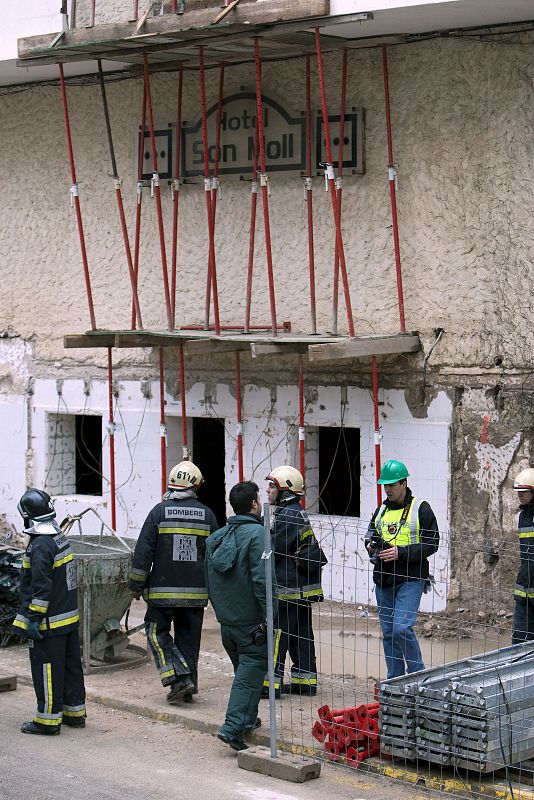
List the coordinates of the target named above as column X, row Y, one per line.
column 154, row 183
column 73, row 193
column 207, row 184
column 378, row 436
column 175, row 186
column 239, row 429
column 111, row 428
column 267, row 553
column 339, row 182
column 254, row 186
column 139, row 191
column 216, row 186
column 265, row 181
column 308, row 187
column 392, row 174
column 163, row 432
column 302, row 434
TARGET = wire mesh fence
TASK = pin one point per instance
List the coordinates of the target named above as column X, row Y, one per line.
column 466, row 722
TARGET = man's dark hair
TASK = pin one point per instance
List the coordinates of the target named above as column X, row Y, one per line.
column 242, row 495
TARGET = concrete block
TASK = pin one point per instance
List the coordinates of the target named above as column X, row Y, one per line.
column 286, row 766
column 8, row 684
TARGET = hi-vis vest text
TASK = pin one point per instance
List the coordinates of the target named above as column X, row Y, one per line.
column 398, row 527
column 526, row 546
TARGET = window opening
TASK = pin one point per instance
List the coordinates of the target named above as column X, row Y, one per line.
column 339, row 471
column 209, row 456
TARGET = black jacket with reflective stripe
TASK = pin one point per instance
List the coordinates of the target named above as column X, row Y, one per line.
column 298, row 557
column 48, row 589
column 525, row 530
column 168, row 561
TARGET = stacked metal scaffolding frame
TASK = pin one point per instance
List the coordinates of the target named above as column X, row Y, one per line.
column 476, row 713
column 260, row 181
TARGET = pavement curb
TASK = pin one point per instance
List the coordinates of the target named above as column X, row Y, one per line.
column 452, row 786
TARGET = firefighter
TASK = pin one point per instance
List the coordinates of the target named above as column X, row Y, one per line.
column 168, row 570
column 49, row 618
column 402, row 535
column 523, row 625
column 298, row 560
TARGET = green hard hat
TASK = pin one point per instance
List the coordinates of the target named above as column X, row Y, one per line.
column 393, row 471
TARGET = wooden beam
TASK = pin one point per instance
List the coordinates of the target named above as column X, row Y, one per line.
column 258, row 349
column 211, row 346
column 106, row 339
column 365, row 346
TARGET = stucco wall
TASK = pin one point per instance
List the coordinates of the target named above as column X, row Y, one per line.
column 462, row 122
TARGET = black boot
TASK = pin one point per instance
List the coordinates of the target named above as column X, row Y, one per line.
column 179, row 688
column 74, row 722
column 40, row 730
column 236, row 743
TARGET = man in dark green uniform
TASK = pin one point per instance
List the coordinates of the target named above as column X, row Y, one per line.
column 235, row 577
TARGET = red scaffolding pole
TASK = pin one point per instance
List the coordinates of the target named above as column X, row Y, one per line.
column 118, row 194
column 75, row 199
column 302, row 430
column 176, row 193
column 139, row 204
column 308, row 195
column 162, row 423
column 212, row 268
column 215, row 180
column 239, row 415
column 330, row 181
column 378, row 435
column 111, row 434
column 339, row 183
column 185, row 447
column 264, row 183
column 252, row 232
column 157, row 195
column 392, row 174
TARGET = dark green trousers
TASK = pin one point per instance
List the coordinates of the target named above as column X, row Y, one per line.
column 250, row 665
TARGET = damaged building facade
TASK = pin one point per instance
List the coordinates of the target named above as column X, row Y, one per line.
column 458, row 410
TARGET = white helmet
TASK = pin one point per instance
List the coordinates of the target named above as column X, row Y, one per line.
column 287, row 479
column 524, row 482
column 185, row 475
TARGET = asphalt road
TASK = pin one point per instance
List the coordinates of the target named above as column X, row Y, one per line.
column 120, row 756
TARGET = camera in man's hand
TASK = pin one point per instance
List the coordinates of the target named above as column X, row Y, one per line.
column 376, row 545
column 259, row 634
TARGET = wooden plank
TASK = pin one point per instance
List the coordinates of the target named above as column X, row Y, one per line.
column 210, row 346
column 106, row 339
column 365, row 346
column 8, row 684
column 259, row 349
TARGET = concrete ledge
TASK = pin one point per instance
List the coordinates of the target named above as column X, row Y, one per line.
column 285, row 766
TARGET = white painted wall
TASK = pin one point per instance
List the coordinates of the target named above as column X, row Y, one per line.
column 269, row 440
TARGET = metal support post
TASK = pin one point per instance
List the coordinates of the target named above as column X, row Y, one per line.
column 239, row 414
column 339, row 184
column 302, row 430
column 162, row 423
column 176, row 193
column 267, row 557
column 392, row 176
column 111, row 434
column 378, row 435
column 185, row 448
column 308, row 195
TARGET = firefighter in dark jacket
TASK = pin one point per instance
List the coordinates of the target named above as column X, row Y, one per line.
column 49, row 618
column 523, row 625
column 168, row 570
column 298, row 560
column 402, row 535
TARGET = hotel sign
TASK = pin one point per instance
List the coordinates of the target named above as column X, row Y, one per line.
column 284, row 138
